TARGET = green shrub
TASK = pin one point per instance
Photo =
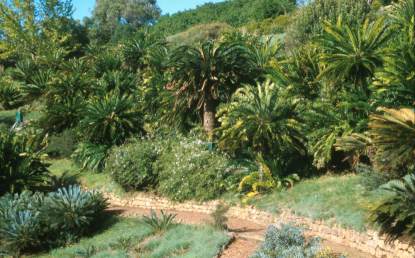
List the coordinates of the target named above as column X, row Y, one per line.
column 188, row 170
column 395, row 215
column 286, row 242
column 10, row 95
column 132, row 165
column 370, row 178
column 31, row 222
column 91, row 156
column 21, row 165
column 199, row 33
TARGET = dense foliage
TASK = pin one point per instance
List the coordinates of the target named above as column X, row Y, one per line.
column 132, row 165
column 234, row 13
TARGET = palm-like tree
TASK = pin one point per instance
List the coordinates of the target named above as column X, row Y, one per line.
column 393, row 135
column 395, row 215
column 353, row 54
column 262, row 118
column 111, row 120
column 206, row 75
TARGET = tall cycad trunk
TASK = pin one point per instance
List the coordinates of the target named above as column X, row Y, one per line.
column 209, row 116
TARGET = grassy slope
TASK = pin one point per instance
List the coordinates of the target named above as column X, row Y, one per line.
column 7, row 117
column 89, row 179
column 179, row 241
column 336, row 199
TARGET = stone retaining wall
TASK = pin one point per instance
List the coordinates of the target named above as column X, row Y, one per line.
column 368, row 242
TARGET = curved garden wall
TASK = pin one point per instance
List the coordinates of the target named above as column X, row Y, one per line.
column 368, row 242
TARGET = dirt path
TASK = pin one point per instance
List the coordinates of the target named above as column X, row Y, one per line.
column 247, row 235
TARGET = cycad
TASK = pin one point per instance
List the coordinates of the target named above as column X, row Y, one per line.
column 261, row 118
column 393, row 135
column 394, row 84
column 63, row 114
column 403, row 15
column 206, row 75
column 21, row 166
column 353, row 54
column 111, row 120
column 395, row 215
column 10, row 94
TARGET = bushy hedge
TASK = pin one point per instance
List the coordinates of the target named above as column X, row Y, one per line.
column 132, row 165
column 31, row 222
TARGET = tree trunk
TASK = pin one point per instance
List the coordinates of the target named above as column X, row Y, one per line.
column 209, row 116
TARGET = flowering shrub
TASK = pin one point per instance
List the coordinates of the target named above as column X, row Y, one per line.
column 189, row 170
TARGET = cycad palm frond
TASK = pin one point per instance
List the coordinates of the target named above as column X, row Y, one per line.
column 395, row 215
column 111, row 120
column 393, row 134
column 352, row 54
column 261, row 118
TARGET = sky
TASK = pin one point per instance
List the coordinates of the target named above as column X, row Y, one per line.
column 84, row 7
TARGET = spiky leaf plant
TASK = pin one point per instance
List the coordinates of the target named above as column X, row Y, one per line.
column 21, row 164
column 10, row 94
column 204, row 76
column 353, row 53
column 396, row 214
column 262, row 118
column 286, row 242
column 72, row 210
column 159, row 223
column 91, row 156
column 111, row 120
column 393, row 135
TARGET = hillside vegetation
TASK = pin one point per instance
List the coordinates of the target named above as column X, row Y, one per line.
column 235, row 13
column 303, row 107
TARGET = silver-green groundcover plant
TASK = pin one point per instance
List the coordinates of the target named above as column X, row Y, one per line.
column 288, row 242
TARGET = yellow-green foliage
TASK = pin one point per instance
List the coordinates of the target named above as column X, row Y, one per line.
column 259, row 181
column 263, row 180
column 269, row 26
column 393, row 135
column 199, row 33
